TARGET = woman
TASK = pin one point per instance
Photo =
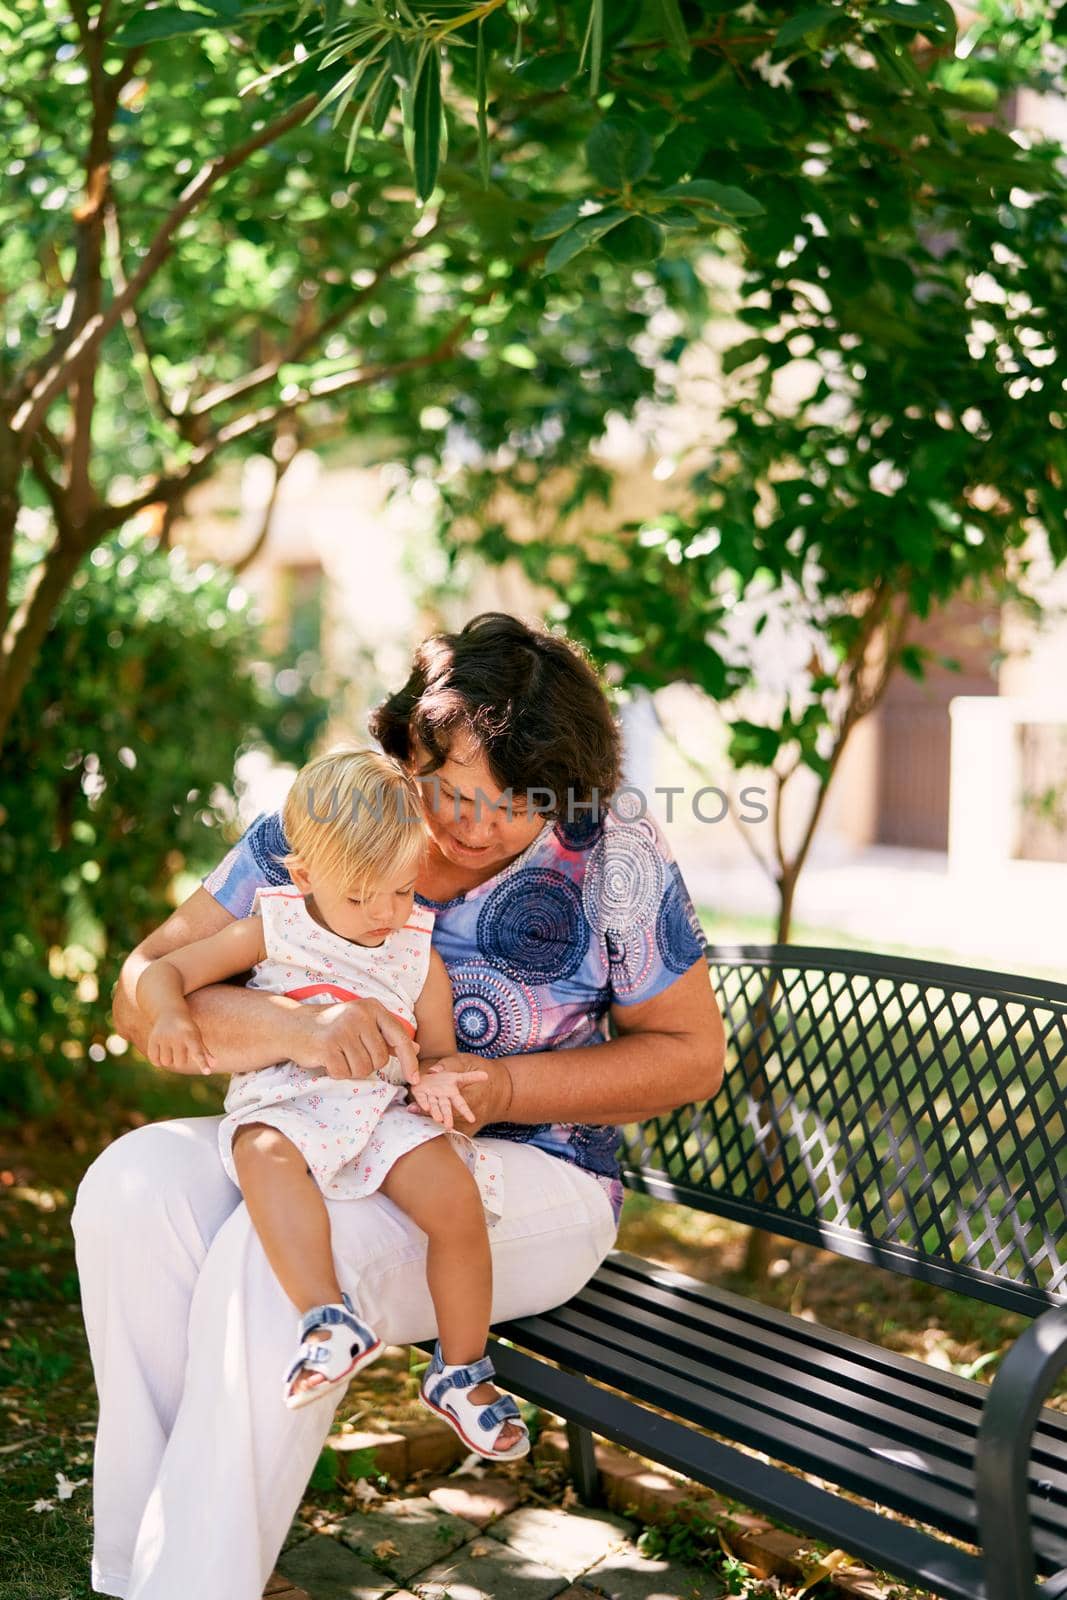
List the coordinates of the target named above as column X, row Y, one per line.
column 550, row 920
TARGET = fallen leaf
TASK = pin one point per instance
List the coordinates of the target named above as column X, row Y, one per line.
column 481, row 1550
column 384, row 1549
column 827, row 1565
column 365, row 1492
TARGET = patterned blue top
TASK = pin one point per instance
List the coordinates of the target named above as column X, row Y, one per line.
column 591, row 914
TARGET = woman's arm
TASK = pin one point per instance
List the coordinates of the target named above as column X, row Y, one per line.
column 244, row 1029
column 670, row 1050
column 174, row 1041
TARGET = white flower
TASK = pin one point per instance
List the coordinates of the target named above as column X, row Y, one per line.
column 65, row 1488
column 776, row 73
column 43, row 1505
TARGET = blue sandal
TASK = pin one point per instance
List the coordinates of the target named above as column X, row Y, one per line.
column 349, row 1346
column 478, row 1425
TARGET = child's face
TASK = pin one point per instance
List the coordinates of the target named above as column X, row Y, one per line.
column 382, row 910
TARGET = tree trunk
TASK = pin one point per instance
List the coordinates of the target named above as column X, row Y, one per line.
column 29, row 626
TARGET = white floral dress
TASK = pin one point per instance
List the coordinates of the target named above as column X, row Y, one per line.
column 350, row 1131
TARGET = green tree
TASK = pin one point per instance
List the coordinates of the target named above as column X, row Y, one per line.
column 192, row 264
column 905, row 277
column 227, row 226
column 117, row 778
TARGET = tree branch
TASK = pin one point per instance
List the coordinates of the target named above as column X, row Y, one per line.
column 299, row 347
column 142, row 355
column 61, row 371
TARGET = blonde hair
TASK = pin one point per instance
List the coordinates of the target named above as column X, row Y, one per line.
column 355, row 815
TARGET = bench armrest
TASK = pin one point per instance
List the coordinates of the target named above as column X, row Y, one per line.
column 1002, row 1461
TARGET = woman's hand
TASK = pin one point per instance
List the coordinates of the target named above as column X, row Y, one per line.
column 488, row 1100
column 440, row 1095
column 175, row 1043
column 351, row 1039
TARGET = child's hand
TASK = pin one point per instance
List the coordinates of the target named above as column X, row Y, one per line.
column 175, row 1044
column 439, row 1095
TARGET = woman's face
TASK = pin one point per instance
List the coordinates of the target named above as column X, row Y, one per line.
column 459, row 801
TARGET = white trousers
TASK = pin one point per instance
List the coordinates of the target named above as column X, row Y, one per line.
column 199, row 1466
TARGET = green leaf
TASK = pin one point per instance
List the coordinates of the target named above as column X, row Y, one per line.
column 674, row 28
column 636, row 240
column 559, row 220
column 898, row 63
column 326, row 1471
column 549, row 71
column 752, row 745
column 934, row 17
column 619, row 152
column 482, row 93
column 583, row 234
column 681, row 152
column 357, row 121
column 801, row 27
column 402, row 60
column 384, row 101
column 519, row 355
column 724, row 195
column 739, row 355
column 426, row 123
column 913, row 659
column 166, row 22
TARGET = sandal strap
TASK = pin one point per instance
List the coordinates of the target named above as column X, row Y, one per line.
column 335, row 1315
column 441, row 1377
column 327, row 1353
column 501, row 1411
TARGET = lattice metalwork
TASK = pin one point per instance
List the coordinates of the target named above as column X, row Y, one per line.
column 891, row 1110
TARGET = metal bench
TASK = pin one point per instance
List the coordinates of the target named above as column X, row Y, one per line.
column 901, row 1113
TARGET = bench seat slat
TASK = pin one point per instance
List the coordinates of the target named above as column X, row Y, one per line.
column 695, row 1369
column 846, row 1383
column 931, row 1474
column 927, row 1385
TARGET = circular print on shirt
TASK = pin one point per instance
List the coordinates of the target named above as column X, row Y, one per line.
column 494, row 1014
column 578, row 833
column 677, row 942
column 532, row 926
column 266, row 842
column 630, row 956
column 623, row 880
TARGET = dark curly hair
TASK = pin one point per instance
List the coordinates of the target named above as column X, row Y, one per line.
column 531, row 699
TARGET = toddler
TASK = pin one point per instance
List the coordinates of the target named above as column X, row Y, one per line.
column 348, row 928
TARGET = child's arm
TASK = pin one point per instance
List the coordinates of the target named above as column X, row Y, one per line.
column 438, row 1094
column 174, row 1041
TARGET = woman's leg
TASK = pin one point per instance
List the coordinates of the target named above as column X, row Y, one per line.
column 238, row 1461
column 144, row 1217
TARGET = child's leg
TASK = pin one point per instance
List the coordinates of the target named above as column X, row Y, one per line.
column 433, row 1187
column 290, row 1217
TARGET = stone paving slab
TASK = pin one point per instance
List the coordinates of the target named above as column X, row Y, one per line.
column 569, row 1542
column 489, row 1570
column 405, row 1536
column 477, row 1500
column 329, row 1571
column 628, row 1575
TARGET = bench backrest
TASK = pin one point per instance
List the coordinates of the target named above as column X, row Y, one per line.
column 896, row 1111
